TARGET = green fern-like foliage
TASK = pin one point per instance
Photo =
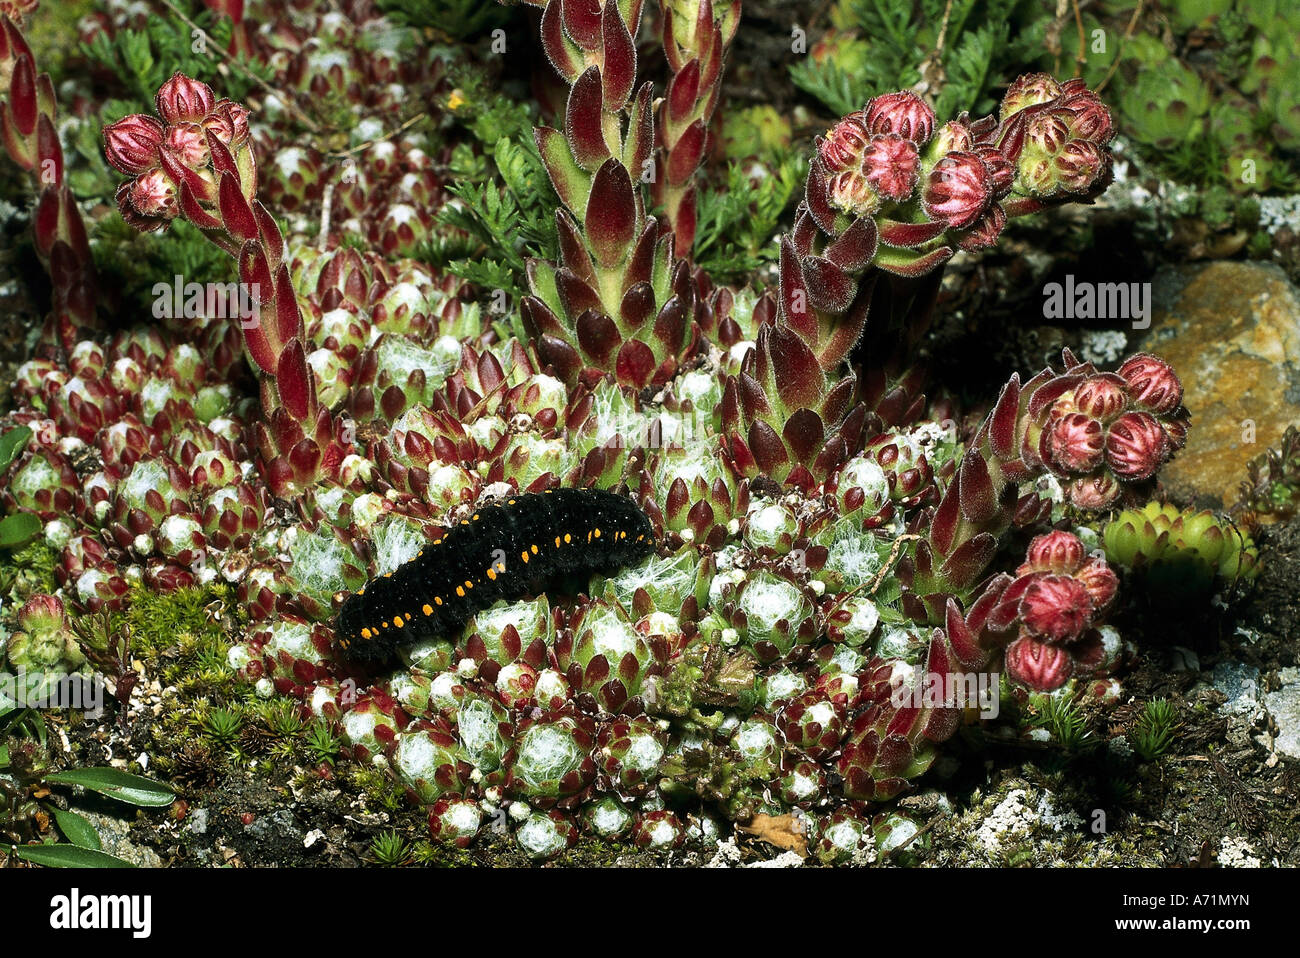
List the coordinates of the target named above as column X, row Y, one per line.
column 740, row 217
column 507, row 205
column 459, row 19
column 882, row 45
column 143, row 59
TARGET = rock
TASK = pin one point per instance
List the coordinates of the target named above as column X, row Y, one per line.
column 115, row 838
column 1232, row 330
column 1284, row 706
column 1240, row 685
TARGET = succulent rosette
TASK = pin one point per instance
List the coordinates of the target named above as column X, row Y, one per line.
column 1179, row 552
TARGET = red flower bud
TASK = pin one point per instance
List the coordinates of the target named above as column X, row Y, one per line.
column 1057, row 551
column 228, row 121
column 984, row 234
column 1102, row 396
column 1038, row 665
column 187, row 142
column 1002, row 172
column 182, row 99
column 891, row 165
column 131, row 144
column 1079, row 165
column 1152, row 383
column 1100, row 581
column 903, row 113
column 1056, row 607
column 842, row 148
column 1028, row 90
column 1094, row 492
column 953, row 137
column 1089, row 118
column 1136, row 446
column 957, row 190
column 851, row 192
column 1176, row 432
column 152, row 194
column 1076, row 442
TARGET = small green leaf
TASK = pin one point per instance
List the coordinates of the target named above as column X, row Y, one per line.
column 11, row 444
column 18, row 530
column 69, row 856
column 78, row 830
column 117, row 784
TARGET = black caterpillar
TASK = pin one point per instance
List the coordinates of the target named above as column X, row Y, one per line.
column 525, row 545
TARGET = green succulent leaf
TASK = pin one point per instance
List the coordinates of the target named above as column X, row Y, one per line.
column 18, row 530
column 12, row 444
column 68, row 856
column 78, row 830
column 125, row 787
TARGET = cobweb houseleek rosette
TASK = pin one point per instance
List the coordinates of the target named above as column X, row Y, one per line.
column 194, row 160
column 620, row 301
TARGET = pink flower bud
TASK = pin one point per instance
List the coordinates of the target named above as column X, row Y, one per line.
column 1079, row 165
column 1038, row 665
column 1136, row 446
column 1057, row 551
column 187, row 142
column 1100, row 581
column 903, row 113
column 953, row 137
column 1102, row 396
column 984, row 234
column 1076, row 442
column 41, row 614
column 1056, row 607
column 851, row 192
column 131, row 144
column 182, row 99
column 152, row 194
column 1047, row 133
column 1152, row 383
column 957, row 190
column 1002, row 172
column 842, row 148
column 891, row 165
column 1094, row 492
column 1028, row 90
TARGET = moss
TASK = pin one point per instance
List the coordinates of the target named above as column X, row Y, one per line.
column 26, row 572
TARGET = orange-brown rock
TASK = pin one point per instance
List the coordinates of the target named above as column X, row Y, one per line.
column 1233, row 335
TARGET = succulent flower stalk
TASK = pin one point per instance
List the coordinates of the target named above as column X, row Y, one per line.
column 621, row 301
column 195, row 161
column 28, row 130
column 886, row 204
column 1034, row 429
column 695, row 35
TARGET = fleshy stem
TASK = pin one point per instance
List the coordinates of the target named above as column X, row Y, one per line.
column 695, row 36
column 197, row 162
column 28, row 124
